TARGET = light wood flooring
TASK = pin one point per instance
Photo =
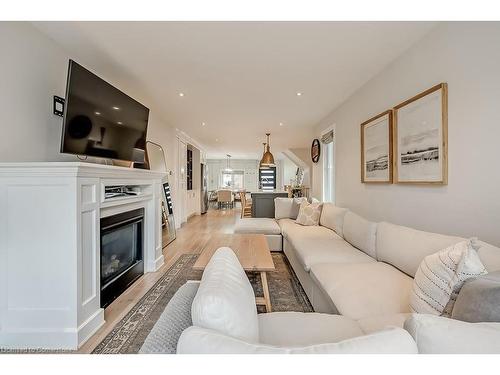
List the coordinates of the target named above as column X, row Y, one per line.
column 191, row 238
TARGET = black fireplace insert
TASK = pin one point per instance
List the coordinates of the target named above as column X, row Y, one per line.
column 121, row 253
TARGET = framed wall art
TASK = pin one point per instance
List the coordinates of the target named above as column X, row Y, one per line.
column 376, row 149
column 421, row 138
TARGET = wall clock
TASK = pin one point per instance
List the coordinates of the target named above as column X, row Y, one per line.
column 315, row 150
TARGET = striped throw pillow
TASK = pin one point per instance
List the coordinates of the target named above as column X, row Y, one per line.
column 440, row 277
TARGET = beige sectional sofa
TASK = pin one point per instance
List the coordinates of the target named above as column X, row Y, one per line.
column 360, row 269
column 225, row 320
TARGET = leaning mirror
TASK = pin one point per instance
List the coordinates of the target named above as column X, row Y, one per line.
column 155, row 157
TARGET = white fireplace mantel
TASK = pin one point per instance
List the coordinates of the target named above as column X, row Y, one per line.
column 50, row 244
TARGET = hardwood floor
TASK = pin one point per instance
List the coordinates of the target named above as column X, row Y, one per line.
column 191, row 238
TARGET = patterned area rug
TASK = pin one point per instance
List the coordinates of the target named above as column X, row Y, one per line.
column 129, row 334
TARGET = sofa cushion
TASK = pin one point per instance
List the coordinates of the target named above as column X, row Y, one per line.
column 309, row 214
column 490, row 256
column 440, row 277
column 287, row 208
column 380, row 322
column 196, row 340
column 361, row 290
column 310, row 252
column 405, row 248
column 291, row 230
column 308, row 328
column 360, row 233
column 438, row 335
column 225, row 301
column 479, row 300
column 332, row 217
column 257, row 226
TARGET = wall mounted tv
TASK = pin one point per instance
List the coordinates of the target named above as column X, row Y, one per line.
column 100, row 120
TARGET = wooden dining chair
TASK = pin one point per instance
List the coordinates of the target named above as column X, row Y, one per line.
column 246, row 205
column 225, row 198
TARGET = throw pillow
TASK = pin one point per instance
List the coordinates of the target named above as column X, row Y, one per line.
column 478, row 300
column 441, row 275
column 287, row 208
column 309, row 213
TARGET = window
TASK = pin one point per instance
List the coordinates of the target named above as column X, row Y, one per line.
column 328, row 167
column 232, row 179
column 267, row 178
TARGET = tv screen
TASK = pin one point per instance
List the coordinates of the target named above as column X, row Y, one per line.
column 100, row 120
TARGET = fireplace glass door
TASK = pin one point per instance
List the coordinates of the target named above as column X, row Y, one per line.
column 121, row 253
column 120, row 250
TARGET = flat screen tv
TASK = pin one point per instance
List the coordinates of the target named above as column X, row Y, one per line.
column 100, row 120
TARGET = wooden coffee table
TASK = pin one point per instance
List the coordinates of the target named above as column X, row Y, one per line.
column 252, row 252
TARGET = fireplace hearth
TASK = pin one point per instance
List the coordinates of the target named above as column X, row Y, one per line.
column 121, row 253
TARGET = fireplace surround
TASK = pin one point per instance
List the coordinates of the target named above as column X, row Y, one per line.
column 50, row 280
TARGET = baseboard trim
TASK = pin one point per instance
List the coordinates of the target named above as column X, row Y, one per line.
column 158, row 263
column 66, row 339
column 90, row 327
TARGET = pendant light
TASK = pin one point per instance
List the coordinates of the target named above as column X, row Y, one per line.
column 263, row 152
column 228, row 164
column 267, row 158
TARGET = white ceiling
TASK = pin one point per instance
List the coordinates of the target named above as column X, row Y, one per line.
column 240, row 78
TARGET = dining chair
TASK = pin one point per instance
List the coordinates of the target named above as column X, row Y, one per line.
column 225, row 197
column 246, row 205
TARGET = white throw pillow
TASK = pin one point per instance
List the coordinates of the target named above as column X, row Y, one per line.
column 287, row 208
column 440, row 277
column 309, row 213
column 225, row 301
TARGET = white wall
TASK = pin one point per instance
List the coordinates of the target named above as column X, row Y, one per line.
column 33, row 68
column 289, row 171
column 467, row 56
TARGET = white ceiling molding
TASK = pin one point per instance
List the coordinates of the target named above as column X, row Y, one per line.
column 190, row 140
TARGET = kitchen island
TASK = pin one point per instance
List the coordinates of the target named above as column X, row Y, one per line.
column 263, row 202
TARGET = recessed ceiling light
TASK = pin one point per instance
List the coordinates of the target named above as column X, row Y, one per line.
column 120, row 123
column 97, row 113
column 181, row 94
column 216, row 140
column 281, row 124
column 299, row 94
column 116, row 108
column 203, row 124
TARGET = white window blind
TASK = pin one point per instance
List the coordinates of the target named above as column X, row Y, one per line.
column 328, row 167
